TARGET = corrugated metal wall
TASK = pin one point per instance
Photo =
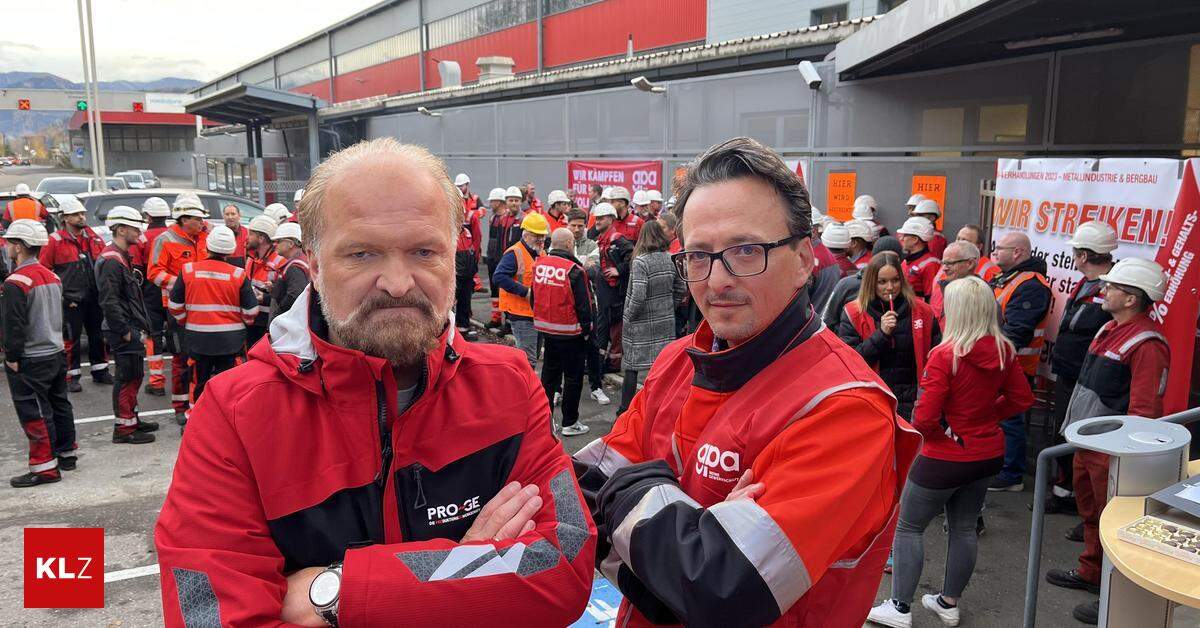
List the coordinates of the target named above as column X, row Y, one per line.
column 603, row 29
column 518, row 42
column 393, row 77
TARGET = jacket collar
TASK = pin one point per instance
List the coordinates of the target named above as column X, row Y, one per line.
column 563, row 254
column 723, row 369
column 912, row 257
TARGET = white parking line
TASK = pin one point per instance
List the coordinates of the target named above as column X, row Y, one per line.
column 126, row 574
column 109, row 417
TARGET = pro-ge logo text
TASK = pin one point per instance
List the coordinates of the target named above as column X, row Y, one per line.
column 438, row 515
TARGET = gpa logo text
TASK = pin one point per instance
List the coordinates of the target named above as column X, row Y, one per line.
column 64, row 567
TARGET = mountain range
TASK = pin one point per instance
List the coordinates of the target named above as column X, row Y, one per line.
column 45, row 80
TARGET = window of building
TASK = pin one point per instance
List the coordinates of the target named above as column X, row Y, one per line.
column 558, row 6
column 305, row 75
column 480, row 20
column 888, row 5
column 999, row 124
column 830, row 14
column 394, row 47
column 148, row 138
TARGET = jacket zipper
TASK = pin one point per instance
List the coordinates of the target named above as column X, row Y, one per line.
column 385, row 436
column 416, row 475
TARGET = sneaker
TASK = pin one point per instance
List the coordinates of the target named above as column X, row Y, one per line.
column 133, row 438
column 102, row 377
column 67, row 463
column 147, row 426
column 949, row 616
column 1076, row 534
column 33, row 479
column 1070, row 579
column 575, row 430
column 999, row 484
column 1088, row 613
column 156, row 391
column 600, row 397
column 73, row 385
column 886, row 614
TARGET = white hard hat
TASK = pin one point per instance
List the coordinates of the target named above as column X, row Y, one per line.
column 927, row 207
column 618, row 192
column 124, row 215
column 288, row 230
column 653, row 195
column 31, row 232
column 604, row 209
column 513, row 192
column 865, row 200
column 298, row 195
column 1094, row 236
column 639, row 198
column 863, row 212
column 917, row 226
column 71, row 205
column 835, row 236
column 21, row 189
column 462, row 179
column 1142, row 274
column 914, row 199
column 817, row 217
column 606, row 194
column 188, row 204
column 864, row 229
column 278, row 211
column 155, row 207
column 263, row 224
column 670, row 204
column 558, row 196
column 221, row 240
column 497, row 194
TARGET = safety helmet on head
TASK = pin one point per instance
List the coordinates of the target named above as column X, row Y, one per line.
column 670, row 204
column 865, row 200
column 188, row 204
column 914, row 199
column 221, row 240
column 497, row 194
column 835, row 236
column 558, row 196
column 917, row 226
column 278, row 211
column 1095, row 236
column 462, row 179
column 513, row 192
column 155, row 207
column 928, row 207
column 1139, row 273
column 653, row 195
column 606, row 194
column 124, row 215
column 29, row 232
column 535, row 223
column 288, row 231
column 263, row 224
column 863, row 212
column 71, row 205
column 862, row 229
column 639, row 198
column 618, row 192
column 604, row 209
column 21, row 189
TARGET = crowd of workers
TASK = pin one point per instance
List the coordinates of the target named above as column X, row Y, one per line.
column 167, row 280
column 766, row 471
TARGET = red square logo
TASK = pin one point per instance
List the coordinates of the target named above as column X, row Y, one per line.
column 64, row 567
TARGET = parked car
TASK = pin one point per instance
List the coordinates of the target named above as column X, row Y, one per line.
column 150, row 178
column 24, row 161
column 133, row 179
column 62, row 187
column 98, row 204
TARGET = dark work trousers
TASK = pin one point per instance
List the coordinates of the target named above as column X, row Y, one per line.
column 464, row 287
column 592, row 363
column 492, row 286
column 1063, row 480
column 204, row 367
column 563, row 364
column 181, row 373
column 254, row 333
column 628, row 390
column 39, row 393
column 78, row 318
column 127, row 380
column 155, row 341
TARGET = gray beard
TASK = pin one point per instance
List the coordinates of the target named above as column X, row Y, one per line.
column 401, row 345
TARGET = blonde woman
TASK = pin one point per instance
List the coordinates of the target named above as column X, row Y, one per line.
column 971, row 382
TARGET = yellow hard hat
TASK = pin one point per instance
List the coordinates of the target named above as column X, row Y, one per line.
column 535, row 223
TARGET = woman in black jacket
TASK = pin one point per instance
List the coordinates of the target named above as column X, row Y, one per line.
column 890, row 328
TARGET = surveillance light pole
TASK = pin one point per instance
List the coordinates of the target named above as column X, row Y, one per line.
column 91, row 91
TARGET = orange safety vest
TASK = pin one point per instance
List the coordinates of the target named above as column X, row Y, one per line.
column 212, row 298
column 25, row 207
column 511, row 303
column 169, row 252
column 1026, row 356
column 987, row 269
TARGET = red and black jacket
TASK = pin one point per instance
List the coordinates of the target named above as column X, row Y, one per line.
column 120, row 293
column 74, row 261
column 300, row 458
column 1082, row 318
column 503, row 231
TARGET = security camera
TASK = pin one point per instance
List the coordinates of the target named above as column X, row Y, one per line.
column 427, row 112
column 644, row 84
column 810, row 74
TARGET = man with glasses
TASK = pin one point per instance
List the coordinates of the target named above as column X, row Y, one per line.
column 1023, row 293
column 985, row 268
column 958, row 260
column 755, row 477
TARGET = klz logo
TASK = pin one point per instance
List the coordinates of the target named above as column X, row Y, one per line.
column 549, row 274
column 713, row 463
column 438, row 515
column 64, row 567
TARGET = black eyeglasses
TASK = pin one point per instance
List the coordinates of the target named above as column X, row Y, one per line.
column 741, row 260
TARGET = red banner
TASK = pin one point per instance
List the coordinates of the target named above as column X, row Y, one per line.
column 1178, row 309
column 632, row 175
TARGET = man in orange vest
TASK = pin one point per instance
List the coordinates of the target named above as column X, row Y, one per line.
column 756, row 478
column 958, row 260
column 562, row 315
column 514, row 277
column 25, row 206
column 985, row 268
column 1023, row 293
column 263, row 264
column 293, row 275
column 214, row 302
column 157, row 212
column 179, row 245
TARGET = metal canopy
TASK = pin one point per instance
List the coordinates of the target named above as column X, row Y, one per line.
column 251, row 105
column 930, row 34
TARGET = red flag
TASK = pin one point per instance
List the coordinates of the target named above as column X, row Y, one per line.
column 1178, row 309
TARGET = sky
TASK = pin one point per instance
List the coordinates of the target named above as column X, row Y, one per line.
column 141, row 40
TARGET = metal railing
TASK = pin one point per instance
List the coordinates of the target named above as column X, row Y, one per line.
column 1040, row 488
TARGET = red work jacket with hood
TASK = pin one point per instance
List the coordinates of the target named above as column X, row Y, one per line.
column 299, row 458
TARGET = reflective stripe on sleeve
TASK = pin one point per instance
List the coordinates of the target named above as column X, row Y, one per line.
column 658, row 497
column 766, row 547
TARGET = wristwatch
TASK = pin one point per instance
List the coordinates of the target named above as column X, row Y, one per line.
column 324, row 592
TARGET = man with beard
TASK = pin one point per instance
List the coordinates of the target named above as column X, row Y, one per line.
column 371, row 467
